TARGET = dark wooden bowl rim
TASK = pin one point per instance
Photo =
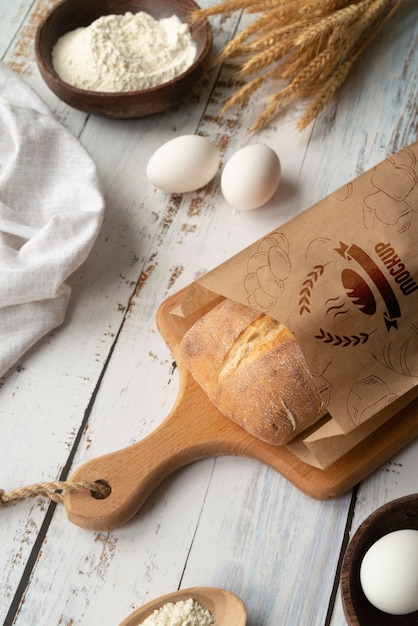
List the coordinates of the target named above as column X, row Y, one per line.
column 395, row 515
column 71, row 14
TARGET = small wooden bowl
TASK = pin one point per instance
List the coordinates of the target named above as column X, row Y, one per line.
column 396, row 515
column 72, row 14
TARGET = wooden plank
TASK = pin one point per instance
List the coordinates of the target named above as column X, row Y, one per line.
column 52, row 416
column 12, row 14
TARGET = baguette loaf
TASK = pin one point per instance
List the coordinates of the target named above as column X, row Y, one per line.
column 253, row 371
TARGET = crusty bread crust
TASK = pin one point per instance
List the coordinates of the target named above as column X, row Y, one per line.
column 253, row 370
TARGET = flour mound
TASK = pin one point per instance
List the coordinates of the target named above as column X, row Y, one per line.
column 128, row 52
column 183, row 613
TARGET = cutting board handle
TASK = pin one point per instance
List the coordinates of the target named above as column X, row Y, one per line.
column 133, row 473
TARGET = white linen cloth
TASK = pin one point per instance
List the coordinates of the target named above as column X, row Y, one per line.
column 51, row 210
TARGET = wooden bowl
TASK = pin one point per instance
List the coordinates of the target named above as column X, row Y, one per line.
column 72, row 14
column 396, row 515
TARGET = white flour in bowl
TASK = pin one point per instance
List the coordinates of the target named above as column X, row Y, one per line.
column 183, row 613
column 124, row 52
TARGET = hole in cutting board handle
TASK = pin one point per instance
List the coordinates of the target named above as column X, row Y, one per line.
column 100, row 495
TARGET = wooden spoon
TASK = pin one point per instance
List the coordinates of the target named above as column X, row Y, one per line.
column 226, row 608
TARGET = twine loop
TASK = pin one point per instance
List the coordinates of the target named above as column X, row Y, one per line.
column 53, row 491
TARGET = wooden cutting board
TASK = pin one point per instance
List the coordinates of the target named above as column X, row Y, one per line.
column 195, row 429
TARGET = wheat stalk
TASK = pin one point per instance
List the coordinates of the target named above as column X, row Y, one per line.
column 311, row 45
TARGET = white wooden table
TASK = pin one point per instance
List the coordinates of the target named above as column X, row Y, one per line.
column 105, row 379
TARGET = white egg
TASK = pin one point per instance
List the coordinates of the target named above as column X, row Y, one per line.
column 185, row 163
column 251, row 176
column 389, row 572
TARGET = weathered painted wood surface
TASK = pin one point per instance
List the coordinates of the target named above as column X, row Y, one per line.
column 105, row 379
